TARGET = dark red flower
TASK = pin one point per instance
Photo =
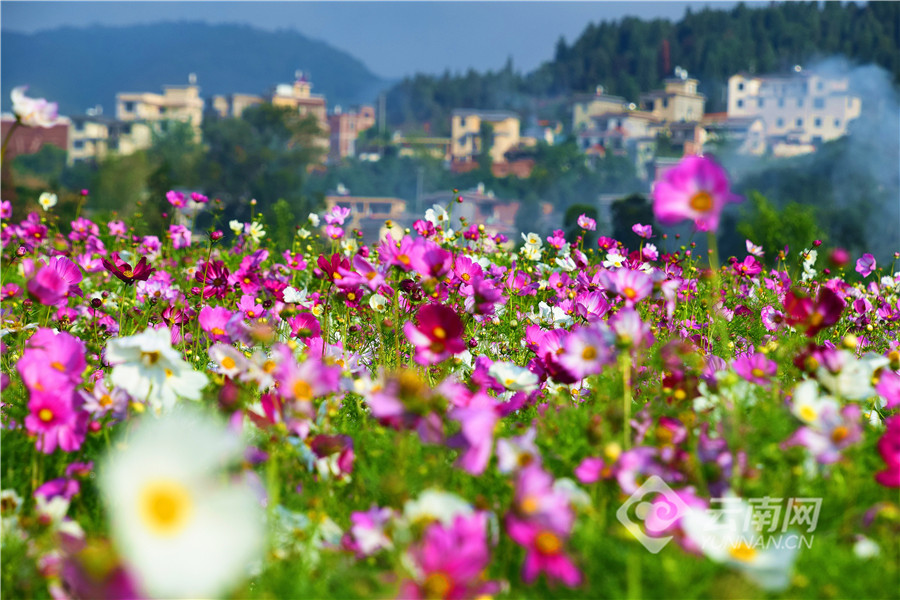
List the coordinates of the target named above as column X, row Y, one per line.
column 127, row 273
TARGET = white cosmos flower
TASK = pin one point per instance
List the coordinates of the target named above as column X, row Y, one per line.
column 532, row 239
column 614, row 261
column 349, row 247
column 378, row 303
column 182, row 526
column 47, row 200
column 435, row 505
column 854, row 380
column 513, row 377
column 236, row 226
column 725, row 534
column 303, row 233
column 294, row 296
column 148, row 368
column 256, row 232
column 33, row 112
column 436, row 215
column 531, row 252
column 566, row 263
column 313, row 219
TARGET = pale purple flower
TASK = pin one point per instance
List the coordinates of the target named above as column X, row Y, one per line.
column 587, row 223
column 643, row 231
column 865, row 265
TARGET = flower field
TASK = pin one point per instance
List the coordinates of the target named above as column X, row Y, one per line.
column 445, row 414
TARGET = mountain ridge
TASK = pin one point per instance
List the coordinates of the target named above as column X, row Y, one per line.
column 227, row 58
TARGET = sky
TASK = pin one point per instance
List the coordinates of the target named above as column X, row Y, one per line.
column 392, row 39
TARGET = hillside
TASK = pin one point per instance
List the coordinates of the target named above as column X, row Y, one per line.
column 82, row 67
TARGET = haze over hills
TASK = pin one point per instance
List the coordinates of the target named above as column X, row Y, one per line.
column 85, row 66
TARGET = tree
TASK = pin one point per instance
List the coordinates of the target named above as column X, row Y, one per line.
column 627, row 212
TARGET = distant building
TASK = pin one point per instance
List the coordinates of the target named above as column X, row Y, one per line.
column 629, row 133
column 799, row 109
column 345, row 127
column 465, row 127
column 28, row 140
column 176, row 103
column 678, row 102
column 748, row 134
column 368, row 214
column 233, row 105
column 434, row 147
column 587, row 106
column 299, row 97
column 92, row 137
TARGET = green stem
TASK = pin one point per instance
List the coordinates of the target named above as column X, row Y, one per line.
column 625, row 364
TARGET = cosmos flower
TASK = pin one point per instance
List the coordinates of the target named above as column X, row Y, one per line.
column 183, row 528
column 33, row 112
column 586, row 223
column 124, row 270
column 148, row 368
column 865, row 265
column 437, row 335
column 47, row 200
column 697, row 188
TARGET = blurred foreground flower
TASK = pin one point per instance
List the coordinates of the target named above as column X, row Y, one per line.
column 696, row 189
column 33, row 112
column 182, row 527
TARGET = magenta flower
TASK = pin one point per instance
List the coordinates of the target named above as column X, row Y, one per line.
column 117, row 228
column 587, row 350
column 544, row 553
column 304, row 381
column 889, row 448
column 180, row 236
column 56, row 421
column 452, row 560
column 337, row 216
column 213, row 276
column 587, row 223
column 756, row 368
column 48, row 286
column 865, row 265
column 124, row 271
column 477, row 421
column 696, row 189
column 832, row 432
column 5, row 209
column 889, row 388
column 176, row 199
column 438, row 334
column 214, row 321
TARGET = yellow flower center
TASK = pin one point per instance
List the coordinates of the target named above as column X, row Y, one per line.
column 128, row 273
column 629, row 293
column 45, row 415
column 529, row 505
column 439, row 333
column 228, row 363
column 105, row 400
column 436, row 585
column 547, row 543
column 403, row 259
column 839, row 434
column 165, row 506
column 808, row 413
column 589, row 353
column 701, row 201
column 150, row 358
column 466, row 277
column 302, row 390
column 268, row 366
column 742, row 551
column 757, row 372
column 58, row 366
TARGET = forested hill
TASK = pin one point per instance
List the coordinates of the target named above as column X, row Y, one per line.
column 635, row 55
column 84, row 66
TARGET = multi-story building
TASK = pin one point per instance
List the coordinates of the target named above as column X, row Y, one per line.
column 345, row 127
column 629, row 133
column 677, row 102
column 92, row 137
column 299, row 97
column 587, row 106
column 233, row 105
column 176, row 103
column 467, row 145
column 801, row 108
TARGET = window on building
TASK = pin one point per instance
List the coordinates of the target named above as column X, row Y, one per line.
column 741, row 87
column 740, row 104
column 779, row 122
column 761, row 102
column 799, row 122
column 819, row 103
column 799, row 102
column 781, row 103
column 129, row 107
column 817, row 122
column 78, row 144
column 380, row 208
column 665, row 103
column 820, row 86
column 837, row 122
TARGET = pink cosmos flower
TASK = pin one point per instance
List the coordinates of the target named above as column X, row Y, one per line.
column 180, row 236
column 889, row 388
column 213, row 276
column 117, row 228
column 749, row 267
column 304, row 381
column 438, row 334
column 889, row 448
column 452, row 560
column 56, row 421
column 367, row 531
column 5, row 209
column 337, row 216
column 642, row 231
column 587, row 350
column 214, row 321
column 832, row 432
column 632, row 285
column 865, row 265
column 814, row 314
column 587, row 223
column 176, row 199
column 477, row 421
column 756, row 368
column 48, row 286
column 696, row 189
